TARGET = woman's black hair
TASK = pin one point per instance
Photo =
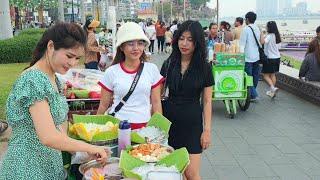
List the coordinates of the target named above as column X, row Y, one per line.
column 273, row 28
column 63, row 35
column 198, row 60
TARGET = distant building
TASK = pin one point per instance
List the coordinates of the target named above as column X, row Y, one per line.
column 283, row 5
column 267, row 8
column 299, row 10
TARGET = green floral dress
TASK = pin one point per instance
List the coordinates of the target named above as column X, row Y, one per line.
column 26, row 157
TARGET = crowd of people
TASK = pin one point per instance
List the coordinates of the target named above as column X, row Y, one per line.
column 36, row 107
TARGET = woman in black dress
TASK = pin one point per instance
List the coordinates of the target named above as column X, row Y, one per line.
column 188, row 77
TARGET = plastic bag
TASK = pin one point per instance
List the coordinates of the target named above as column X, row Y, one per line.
column 83, row 157
column 86, row 79
column 105, row 61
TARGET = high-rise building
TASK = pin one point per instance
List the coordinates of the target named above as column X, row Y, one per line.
column 299, row 10
column 267, row 8
column 284, row 4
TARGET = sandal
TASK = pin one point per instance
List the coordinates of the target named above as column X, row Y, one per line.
column 3, row 126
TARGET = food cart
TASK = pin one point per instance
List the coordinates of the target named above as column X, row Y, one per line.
column 231, row 82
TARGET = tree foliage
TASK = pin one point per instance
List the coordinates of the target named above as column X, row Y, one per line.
column 34, row 3
column 194, row 3
column 198, row 3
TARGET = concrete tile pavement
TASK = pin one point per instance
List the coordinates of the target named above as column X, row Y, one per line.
column 273, row 139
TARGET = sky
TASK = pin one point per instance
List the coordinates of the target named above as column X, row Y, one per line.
column 241, row 7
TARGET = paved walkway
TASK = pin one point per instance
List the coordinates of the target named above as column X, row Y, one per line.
column 273, row 139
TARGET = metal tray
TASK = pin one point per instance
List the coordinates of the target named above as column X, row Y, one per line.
column 94, row 164
column 169, row 149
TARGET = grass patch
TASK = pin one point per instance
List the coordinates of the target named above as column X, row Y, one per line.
column 295, row 63
column 8, row 75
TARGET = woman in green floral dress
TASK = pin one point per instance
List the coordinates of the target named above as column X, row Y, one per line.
column 36, row 108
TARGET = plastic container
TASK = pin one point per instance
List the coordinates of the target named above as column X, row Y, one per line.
column 210, row 50
column 124, row 136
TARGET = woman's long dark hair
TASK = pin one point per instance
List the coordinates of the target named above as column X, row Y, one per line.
column 63, row 35
column 314, row 47
column 198, row 60
column 273, row 28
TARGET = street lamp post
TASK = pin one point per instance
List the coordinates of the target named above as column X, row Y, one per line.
column 162, row 15
column 171, row 13
column 184, row 10
column 217, row 11
column 72, row 11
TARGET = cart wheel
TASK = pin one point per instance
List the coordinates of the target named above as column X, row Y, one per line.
column 244, row 104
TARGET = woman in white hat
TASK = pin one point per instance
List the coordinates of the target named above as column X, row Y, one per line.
column 91, row 55
column 118, row 79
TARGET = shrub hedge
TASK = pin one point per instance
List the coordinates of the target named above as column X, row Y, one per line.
column 19, row 48
column 32, row 31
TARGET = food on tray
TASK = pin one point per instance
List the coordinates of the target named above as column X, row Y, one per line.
column 87, row 130
column 109, row 171
column 152, row 134
column 171, row 172
column 150, row 152
column 95, row 174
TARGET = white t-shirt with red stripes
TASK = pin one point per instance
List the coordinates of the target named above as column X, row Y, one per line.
column 118, row 80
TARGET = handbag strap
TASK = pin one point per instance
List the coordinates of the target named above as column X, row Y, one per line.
column 255, row 38
column 133, row 86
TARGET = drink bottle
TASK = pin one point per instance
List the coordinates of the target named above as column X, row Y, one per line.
column 124, row 135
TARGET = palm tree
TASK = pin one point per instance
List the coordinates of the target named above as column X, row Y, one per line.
column 5, row 23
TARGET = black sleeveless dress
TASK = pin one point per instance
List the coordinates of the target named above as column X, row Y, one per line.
column 184, row 110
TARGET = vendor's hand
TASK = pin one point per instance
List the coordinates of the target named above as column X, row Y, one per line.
column 205, row 139
column 100, row 153
column 104, row 50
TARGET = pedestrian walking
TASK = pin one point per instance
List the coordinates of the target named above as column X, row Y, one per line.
column 249, row 47
column 151, row 34
column 271, row 48
column 160, row 31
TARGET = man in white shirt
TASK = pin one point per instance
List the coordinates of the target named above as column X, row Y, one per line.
column 249, row 47
column 174, row 26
